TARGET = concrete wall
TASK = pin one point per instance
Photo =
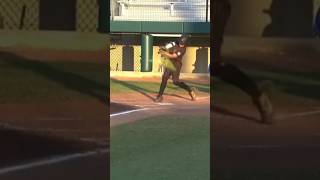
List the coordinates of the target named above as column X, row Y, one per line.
column 272, row 18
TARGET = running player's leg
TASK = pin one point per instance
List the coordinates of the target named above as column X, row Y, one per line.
column 233, row 75
column 181, row 84
column 230, row 73
column 165, row 76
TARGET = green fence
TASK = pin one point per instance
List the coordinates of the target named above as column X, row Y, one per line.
column 77, row 15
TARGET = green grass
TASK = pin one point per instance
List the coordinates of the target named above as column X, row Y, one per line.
column 25, row 80
column 117, row 86
column 165, row 147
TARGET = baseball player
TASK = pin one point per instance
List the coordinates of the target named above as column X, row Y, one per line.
column 230, row 73
column 175, row 55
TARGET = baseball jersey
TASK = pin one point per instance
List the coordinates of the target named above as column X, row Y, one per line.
column 179, row 51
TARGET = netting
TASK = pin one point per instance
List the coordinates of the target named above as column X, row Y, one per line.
column 87, row 15
column 24, row 15
column 19, row 14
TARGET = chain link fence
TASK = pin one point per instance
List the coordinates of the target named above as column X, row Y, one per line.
column 87, row 15
column 19, row 14
column 125, row 53
column 24, row 15
column 125, row 58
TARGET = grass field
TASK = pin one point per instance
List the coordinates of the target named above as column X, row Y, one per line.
column 165, row 147
column 26, row 80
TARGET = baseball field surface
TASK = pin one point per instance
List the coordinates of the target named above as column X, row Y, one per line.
column 167, row 140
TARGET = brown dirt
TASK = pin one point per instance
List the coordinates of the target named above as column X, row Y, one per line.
column 74, row 119
column 59, row 55
column 202, row 80
column 172, row 104
column 241, row 141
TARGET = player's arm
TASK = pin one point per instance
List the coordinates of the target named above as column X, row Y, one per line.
column 169, row 55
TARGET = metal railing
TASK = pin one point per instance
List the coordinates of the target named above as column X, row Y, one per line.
column 160, row 10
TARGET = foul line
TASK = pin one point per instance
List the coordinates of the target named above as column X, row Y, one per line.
column 128, row 112
column 164, row 104
column 302, row 114
column 51, row 161
column 200, row 98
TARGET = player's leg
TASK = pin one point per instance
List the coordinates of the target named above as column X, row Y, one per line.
column 181, row 84
column 165, row 76
column 233, row 75
column 230, row 73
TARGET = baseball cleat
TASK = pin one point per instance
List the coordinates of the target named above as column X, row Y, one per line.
column 158, row 99
column 264, row 105
column 193, row 94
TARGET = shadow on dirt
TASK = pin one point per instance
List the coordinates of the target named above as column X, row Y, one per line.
column 136, row 88
column 70, row 80
column 18, row 146
column 302, row 83
column 225, row 111
column 145, row 92
column 117, row 107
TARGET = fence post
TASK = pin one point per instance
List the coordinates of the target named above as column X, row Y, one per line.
column 104, row 16
column 146, row 53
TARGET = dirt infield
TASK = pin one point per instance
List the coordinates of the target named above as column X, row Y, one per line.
column 45, row 55
column 172, row 104
column 72, row 119
column 53, row 115
column 141, row 98
column 287, row 149
column 47, row 135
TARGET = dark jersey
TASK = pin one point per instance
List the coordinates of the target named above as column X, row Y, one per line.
column 179, row 51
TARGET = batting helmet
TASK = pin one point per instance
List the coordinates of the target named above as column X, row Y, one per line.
column 183, row 39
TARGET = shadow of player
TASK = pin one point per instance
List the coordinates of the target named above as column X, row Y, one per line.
column 138, row 89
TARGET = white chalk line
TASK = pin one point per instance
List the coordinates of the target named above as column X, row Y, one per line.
column 131, row 101
column 164, row 104
column 128, row 112
column 301, row 114
column 201, row 98
column 51, row 161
